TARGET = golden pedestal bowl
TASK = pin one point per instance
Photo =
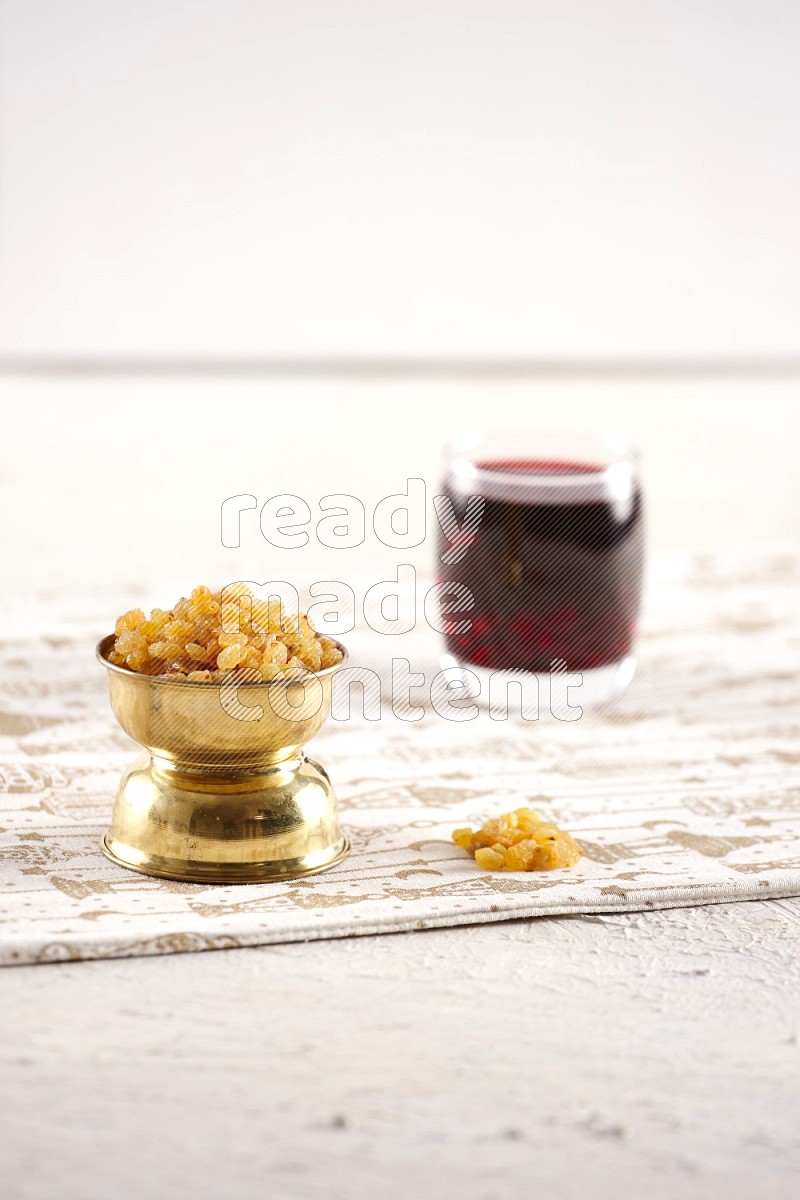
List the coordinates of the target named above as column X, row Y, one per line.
column 224, row 793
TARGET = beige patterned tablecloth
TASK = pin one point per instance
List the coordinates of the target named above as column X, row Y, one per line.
column 685, row 790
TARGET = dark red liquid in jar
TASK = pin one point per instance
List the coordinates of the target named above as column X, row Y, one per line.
column 550, row 580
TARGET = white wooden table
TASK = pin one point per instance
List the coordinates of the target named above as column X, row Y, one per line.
column 648, row 1054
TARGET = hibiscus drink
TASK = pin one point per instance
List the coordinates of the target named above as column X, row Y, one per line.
column 555, row 563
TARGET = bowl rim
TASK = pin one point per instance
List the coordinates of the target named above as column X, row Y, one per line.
column 105, row 643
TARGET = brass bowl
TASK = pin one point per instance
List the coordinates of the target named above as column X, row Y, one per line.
column 224, row 793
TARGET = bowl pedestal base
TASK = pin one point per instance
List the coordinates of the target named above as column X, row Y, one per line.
column 206, row 824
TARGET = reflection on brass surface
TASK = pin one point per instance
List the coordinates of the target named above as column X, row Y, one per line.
column 216, row 799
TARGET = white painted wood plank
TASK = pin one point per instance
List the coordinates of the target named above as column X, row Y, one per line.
column 654, row 1054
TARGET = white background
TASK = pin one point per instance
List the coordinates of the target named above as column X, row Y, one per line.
column 486, row 179
column 393, row 177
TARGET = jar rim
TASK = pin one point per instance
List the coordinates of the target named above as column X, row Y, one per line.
column 609, row 474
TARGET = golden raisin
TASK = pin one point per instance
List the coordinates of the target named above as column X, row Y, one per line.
column 519, row 841
column 230, row 657
column 489, row 859
column 203, row 637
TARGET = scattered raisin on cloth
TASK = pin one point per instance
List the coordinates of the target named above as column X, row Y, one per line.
column 519, row 841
